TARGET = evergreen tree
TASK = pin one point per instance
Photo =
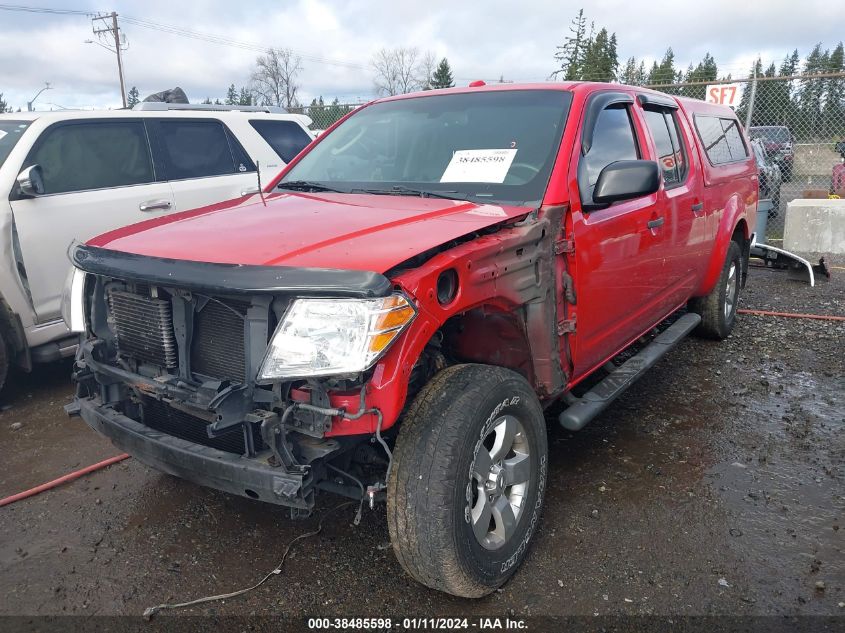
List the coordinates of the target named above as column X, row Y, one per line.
column 632, row 74
column 232, row 96
column 812, row 90
column 783, row 92
column 706, row 70
column 664, row 72
column 442, row 76
column 600, row 62
column 4, row 107
column 133, row 98
column 833, row 110
column 570, row 55
column 245, row 97
column 334, row 112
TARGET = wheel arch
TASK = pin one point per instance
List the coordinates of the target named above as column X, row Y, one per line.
column 733, row 226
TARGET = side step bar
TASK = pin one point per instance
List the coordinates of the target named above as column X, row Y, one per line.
column 588, row 406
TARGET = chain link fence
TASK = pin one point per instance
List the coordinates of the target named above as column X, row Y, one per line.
column 324, row 115
column 800, row 121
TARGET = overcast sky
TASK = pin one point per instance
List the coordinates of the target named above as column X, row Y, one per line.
column 337, row 40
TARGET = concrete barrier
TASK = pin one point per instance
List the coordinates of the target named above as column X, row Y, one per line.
column 815, row 226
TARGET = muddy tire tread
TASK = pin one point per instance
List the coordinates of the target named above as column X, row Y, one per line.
column 418, row 478
column 711, row 307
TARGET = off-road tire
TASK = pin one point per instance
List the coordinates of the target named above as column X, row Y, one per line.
column 717, row 320
column 431, row 484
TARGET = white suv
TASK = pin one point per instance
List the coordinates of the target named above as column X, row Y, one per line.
column 68, row 176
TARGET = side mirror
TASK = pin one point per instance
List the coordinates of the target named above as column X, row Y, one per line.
column 31, row 181
column 626, row 179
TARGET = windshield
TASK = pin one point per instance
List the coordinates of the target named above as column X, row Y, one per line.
column 771, row 134
column 10, row 133
column 495, row 146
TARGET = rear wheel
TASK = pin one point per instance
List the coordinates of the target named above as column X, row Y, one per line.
column 718, row 309
column 469, row 473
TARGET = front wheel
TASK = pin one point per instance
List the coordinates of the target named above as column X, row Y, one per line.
column 468, row 480
column 718, row 309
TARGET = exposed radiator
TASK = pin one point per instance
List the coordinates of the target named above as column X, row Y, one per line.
column 143, row 328
column 217, row 347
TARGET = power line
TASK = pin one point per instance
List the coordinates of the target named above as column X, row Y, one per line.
column 25, row 9
column 179, row 31
column 227, row 41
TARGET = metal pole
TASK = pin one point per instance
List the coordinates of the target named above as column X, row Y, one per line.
column 119, row 58
column 751, row 98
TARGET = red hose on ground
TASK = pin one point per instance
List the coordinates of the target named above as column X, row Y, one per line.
column 794, row 315
column 63, row 479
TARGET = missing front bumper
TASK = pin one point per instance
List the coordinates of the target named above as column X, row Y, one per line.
column 203, row 465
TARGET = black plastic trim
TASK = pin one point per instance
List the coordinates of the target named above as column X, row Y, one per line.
column 598, row 102
column 576, row 416
column 200, row 464
column 230, row 278
column 658, row 101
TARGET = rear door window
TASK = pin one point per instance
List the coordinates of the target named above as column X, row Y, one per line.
column 200, row 149
column 93, row 155
column 285, row 137
column 671, row 154
column 721, row 138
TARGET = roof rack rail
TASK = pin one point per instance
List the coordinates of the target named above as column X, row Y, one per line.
column 160, row 106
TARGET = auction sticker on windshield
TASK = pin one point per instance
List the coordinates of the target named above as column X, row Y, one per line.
column 479, row 165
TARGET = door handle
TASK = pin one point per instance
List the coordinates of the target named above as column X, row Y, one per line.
column 698, row 207
column 653, row 224
column 155, row 205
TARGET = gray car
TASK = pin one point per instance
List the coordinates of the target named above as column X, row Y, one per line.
column 770, row 176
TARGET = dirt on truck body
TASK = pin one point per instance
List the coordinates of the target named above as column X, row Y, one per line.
column 392, row 316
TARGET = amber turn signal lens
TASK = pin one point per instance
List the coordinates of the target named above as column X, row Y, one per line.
column 397, row 317
column 397, row 313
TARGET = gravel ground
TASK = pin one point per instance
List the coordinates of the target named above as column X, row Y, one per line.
column 713, row 486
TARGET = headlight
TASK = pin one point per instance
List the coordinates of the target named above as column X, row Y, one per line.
column 73, row 300
column 321, row 337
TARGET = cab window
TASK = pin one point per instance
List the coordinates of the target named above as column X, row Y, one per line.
column 721, row 138
column 613, row 139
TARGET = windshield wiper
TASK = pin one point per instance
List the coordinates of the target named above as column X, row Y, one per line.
column 307, row 185
column 401, row 190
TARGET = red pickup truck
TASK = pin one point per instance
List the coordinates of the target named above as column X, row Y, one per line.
column 390, row 318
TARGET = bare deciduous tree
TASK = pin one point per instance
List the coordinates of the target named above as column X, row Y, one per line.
column 274, row 79
column 401, row 70
column 426, row 67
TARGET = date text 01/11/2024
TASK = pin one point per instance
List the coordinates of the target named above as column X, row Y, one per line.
column 417, row 624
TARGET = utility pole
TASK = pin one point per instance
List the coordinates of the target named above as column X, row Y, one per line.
column 751, row 98
column 113, row 30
